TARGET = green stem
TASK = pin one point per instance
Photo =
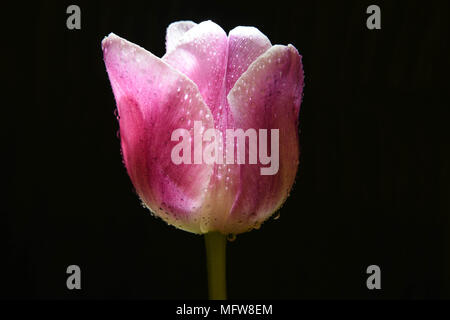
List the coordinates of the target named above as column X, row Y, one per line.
column 215, row 259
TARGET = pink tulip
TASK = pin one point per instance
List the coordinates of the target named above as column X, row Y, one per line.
column 176, row 114
column 223, row 82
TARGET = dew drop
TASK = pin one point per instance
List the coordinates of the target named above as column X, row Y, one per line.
column 231, row 237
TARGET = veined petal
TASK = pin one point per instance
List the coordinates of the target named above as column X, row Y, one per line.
column 267, row 96
column 201, row 54
column 153, row 100
column 245, row 44
column 175, row 32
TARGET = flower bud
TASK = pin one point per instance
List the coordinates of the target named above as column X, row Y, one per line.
column 209, row 132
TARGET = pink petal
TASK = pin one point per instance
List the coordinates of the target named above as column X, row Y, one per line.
column 175, row 32
column 201, row 54
column 153, row 100
column 245, row 44
column 267, row 96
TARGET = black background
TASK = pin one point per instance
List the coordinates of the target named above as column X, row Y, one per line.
column 374, row 179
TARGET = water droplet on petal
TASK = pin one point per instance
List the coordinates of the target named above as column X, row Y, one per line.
column 231, row 237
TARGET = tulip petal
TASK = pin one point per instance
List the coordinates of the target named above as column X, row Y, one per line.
column 153, row 100
column 245, row 44
column 267, row 96
column 175, row 31
column 201, row 54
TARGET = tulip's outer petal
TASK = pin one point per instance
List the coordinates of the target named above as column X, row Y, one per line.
column 175, row 32
column 245, row 44
column 201, row 54
column 267, row 96
column 153, row 100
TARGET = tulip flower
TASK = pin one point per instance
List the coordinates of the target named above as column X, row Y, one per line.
column 234, row 98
